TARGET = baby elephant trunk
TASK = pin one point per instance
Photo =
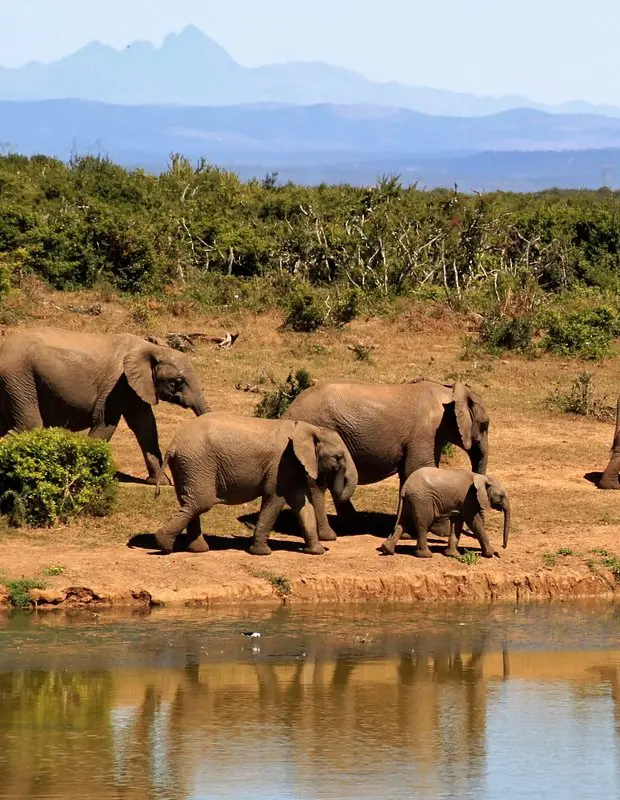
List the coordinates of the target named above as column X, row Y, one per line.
column 345, row 481
column 506, row 510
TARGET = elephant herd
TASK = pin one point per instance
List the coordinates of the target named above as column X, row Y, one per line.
column 334, row 436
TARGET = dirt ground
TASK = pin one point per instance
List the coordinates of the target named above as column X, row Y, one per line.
column 540, row 455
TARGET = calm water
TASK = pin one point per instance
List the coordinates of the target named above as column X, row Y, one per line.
column 372, row 702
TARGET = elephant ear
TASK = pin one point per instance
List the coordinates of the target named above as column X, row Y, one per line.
column 305, row 439
column 481, row 483
column 461, row 396
column 138, row 366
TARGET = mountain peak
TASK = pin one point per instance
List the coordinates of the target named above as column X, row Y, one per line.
column 193, row 43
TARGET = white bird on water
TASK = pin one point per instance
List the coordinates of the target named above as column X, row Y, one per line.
column 251, row 634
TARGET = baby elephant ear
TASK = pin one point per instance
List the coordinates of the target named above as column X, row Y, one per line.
column 138, row 366
column 482, row 490
column 305, row 440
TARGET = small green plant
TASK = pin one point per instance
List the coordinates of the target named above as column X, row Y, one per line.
column 361, row 351
column 580, row 399
column 598, row 551
column 308, row 309
column 281, row 584
column 582, row 333
column 499, row 333
column 565, row 551
column 275, row 403
column 549, row 559
column 469, row 557
column 19, row 590
column 448, row 450
column 52, row 475
column 613, row 563
column 57, row 569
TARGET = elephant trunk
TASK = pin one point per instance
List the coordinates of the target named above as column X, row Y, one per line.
column 345, row 482
column 199, row 406
column 479, row 456
column 506, row 510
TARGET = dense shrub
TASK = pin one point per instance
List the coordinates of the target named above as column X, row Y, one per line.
column 275, row 403
column 53, row 475
column 582, row 333
column 515, row 334
column 91, row 220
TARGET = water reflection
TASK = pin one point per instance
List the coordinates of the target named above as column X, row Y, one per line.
column 443, row 716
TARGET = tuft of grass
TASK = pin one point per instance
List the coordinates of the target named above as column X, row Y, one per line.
column 613, row 563
column 19, row 590
column 469, row 557
column 281, row 584
column 361, row 351
column 549, row 559
column 565, row 551
column 598, row 551
column 580, row 399
column 57, row 569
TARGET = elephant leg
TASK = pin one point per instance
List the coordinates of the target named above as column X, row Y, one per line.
column 141, row 421
column 609, row 478
column 422, row 549
column 301, row 504
column 269, row 510
column 166, row 536
column 317, row 498
column 346, row 512
column 479, row 531
column 193, row 541
column 456, row 528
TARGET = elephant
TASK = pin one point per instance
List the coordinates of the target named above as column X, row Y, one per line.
column 87, row 381
column 231, row 459
column 609, row 478
column 430, row 493
column 394, row 428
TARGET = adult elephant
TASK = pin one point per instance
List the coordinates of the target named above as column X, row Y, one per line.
column 87, row 381
column 609, row 478
column 394, row 429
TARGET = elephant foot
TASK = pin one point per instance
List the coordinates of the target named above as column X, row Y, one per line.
column 165, row 543
column 489, row 553
column 451, row 552
column 328, row 535
column 259, row 550
column 609, row 484
column 422, row 552
column 198, row 545
column 387, row 549
column 313, row 550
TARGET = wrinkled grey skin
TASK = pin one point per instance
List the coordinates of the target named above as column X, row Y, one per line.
column 431, row 493
column 85, row 381
column 609, row 479
column 226, row 458
column 395, row 428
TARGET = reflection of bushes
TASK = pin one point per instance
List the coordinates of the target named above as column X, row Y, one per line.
column 51, row 474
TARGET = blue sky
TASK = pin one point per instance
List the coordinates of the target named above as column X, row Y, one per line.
column 550, row 50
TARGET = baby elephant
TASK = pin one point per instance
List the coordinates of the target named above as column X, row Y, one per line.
column 431, row 493
column 225, row 458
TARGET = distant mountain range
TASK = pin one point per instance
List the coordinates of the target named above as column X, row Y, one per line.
column 192, row 69
column 512, row 150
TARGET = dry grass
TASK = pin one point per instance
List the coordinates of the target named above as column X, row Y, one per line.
column 540, row 455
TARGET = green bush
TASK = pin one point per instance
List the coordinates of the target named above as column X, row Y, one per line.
column 53, row 475
column 581, row 399
column 514, row 334
column 582, row 333
column 275, row 403
column 306, row 312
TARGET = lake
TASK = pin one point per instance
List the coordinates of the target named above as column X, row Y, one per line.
column 422, row 701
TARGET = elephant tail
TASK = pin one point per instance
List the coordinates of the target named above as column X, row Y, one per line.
column 161, row 472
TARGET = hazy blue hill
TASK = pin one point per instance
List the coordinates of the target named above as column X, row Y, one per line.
column 192, row 69
column 280, row 132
